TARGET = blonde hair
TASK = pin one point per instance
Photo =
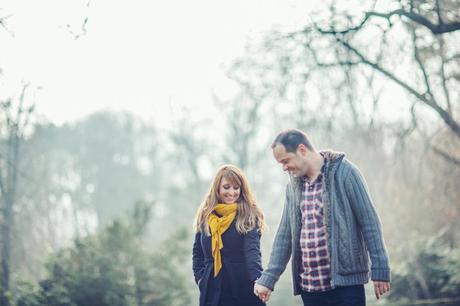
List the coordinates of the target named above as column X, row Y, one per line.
column 249, row 215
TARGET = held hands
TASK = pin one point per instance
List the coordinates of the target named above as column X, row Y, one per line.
column 380, row 288
column 262, row 292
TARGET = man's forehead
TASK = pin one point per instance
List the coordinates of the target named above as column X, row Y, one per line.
column 279, row 148
column 280, row 153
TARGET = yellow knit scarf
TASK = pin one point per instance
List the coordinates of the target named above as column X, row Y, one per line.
column 218, row 226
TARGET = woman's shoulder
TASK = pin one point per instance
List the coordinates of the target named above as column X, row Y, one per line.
column 254, row 232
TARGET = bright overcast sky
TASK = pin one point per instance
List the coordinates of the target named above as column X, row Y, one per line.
column 141, row 56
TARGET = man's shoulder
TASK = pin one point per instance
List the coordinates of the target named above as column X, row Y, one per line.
column 346, row 167
column 346, row 171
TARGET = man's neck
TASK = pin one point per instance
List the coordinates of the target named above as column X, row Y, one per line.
column 314, row 169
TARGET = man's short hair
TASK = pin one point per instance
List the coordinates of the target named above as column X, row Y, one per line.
column 291, row 139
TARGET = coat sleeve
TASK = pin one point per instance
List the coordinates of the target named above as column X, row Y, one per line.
column 281, row 249
column 252, row 254
column 197, row 258
column 369, row 223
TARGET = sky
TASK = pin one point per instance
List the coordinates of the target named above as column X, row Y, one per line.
column 151, row 58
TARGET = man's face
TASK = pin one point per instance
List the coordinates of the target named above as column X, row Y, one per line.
column 292, row 162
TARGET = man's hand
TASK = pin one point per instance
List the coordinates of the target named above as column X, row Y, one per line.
column 262, row 292
column 380, row 288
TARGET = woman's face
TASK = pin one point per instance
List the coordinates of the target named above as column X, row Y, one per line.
column 228, row 192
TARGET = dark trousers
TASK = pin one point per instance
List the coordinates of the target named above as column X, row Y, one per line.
column 340, row 296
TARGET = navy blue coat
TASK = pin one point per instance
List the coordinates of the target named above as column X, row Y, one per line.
column 241, row 266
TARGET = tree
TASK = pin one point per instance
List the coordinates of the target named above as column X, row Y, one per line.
column 112, row 267
column 242, row 114
column 4, row 24
column 105, row 162
column 418, row 35
column 431, row 274
column 15, row 124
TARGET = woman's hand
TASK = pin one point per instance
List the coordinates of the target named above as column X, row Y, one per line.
column 262, row 292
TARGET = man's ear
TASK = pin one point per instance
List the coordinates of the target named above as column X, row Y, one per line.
column 302, row 149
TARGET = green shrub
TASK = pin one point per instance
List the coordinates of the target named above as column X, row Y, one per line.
column 432, row 272
column 112, row 268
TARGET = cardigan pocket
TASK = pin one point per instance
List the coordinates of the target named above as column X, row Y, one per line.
column 351, row 251
column 352, row 256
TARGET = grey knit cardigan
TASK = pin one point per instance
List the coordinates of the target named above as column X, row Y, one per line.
column 353, row 230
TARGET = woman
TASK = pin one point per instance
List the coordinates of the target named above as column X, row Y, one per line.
column 226, row 251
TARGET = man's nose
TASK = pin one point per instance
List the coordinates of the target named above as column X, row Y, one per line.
column 285, row 167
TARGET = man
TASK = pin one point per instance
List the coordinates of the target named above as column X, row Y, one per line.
column 329, row 226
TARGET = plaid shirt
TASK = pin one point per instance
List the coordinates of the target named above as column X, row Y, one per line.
column 316, row 264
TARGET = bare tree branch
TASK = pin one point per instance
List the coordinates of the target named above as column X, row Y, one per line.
column 447, row 156
column 443, row 75
column 440, row 28
column 438, row 12
column 445, row 116
column 420, row 65
column 82, row 31
column 5, row 26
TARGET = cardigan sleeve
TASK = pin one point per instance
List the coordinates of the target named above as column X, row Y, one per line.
column 369, row 223
column 281, row 249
